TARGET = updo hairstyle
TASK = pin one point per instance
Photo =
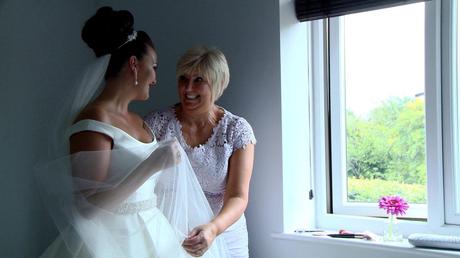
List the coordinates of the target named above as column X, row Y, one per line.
column 107, row 32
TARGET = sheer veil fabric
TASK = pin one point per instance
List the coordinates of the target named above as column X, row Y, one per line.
column 146, row 204
column 86, row 89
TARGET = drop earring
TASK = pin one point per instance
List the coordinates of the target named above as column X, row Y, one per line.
column 135, row 78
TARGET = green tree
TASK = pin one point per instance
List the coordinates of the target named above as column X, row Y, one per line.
column 408, row 162
column 389, row 143
column 365, row 149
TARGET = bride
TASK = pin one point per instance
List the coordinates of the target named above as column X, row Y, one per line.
column 119, row 192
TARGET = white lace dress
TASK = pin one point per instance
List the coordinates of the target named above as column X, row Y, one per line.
column 210, row 163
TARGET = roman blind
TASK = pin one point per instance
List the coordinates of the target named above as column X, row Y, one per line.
column 307, row 10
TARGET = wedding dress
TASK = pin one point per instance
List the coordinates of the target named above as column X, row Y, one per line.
column 150, row 220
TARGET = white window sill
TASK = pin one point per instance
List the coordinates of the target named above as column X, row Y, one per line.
column 402, row 247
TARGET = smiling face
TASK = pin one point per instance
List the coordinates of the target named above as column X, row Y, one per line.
column 146, row 73
column 202, row 74
column 194, row 93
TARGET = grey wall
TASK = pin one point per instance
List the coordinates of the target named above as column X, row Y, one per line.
column 40, row 52
column 41, row 55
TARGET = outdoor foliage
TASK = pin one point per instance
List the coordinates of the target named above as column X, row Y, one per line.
column 387, row 146
column 370, row 190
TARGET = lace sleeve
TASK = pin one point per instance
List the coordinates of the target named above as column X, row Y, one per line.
column 242, row 134
column 156, row 121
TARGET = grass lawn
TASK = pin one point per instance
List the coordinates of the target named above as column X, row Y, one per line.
column 367, row 190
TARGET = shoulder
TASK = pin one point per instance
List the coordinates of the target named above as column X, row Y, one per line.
column 91, row 129
column 159, row 116
column 235, row 122
column 239, row 130
column 94, row 112
column 158, row 121
column 88, row 134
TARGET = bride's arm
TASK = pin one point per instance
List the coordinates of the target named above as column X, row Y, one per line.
column 99, row 171
column 92, row 141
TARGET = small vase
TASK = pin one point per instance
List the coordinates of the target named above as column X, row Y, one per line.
column 391, row 233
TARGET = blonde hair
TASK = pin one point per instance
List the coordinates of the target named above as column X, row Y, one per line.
column 209, row 63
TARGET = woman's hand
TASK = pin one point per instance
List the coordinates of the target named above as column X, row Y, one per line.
column 200, row 239
column 165, row 156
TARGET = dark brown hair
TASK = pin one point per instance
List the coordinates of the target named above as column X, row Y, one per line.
column 107, row 32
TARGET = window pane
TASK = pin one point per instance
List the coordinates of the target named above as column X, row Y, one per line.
column 384, row 82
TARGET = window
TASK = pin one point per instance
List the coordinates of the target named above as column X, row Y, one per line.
column 386, row 115
column 377, row 109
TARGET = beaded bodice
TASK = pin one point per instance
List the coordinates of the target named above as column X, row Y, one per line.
column 210, row 159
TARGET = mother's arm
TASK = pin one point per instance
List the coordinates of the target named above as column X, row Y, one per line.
column 237, row 191
column 235, row 202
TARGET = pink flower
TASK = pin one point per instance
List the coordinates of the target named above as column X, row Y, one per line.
column 394, row 205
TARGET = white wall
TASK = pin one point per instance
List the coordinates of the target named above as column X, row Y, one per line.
column 41, row 52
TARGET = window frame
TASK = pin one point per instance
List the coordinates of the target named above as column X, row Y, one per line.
column 338, row 133
column 436, row 222
column 450, row 89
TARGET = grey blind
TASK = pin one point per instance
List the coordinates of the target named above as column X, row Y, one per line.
column 307, row 10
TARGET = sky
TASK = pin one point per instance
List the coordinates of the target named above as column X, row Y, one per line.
column 384, row 55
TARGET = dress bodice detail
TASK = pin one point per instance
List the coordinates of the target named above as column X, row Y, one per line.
column 120, row 138
column 136, row 151
column 151, row 223
column 210, row 159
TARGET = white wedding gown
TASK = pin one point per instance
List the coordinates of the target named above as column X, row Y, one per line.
column 137, row 227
